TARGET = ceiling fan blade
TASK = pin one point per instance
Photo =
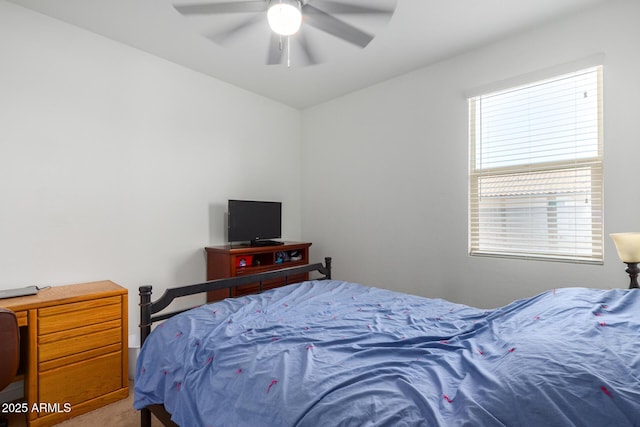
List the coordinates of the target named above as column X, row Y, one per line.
column 222, row 36
column 331, row 6
column 226, row 7
column 275, row 50
column 310, row 55
column 334, row 26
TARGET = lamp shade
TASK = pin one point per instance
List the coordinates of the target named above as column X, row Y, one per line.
column 628, row 246
column 284, row 16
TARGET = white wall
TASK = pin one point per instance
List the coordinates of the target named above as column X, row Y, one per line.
column 115, row 164
column 385, row 174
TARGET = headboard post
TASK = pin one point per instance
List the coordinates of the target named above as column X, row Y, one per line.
column 327, row 263
column 145, row 312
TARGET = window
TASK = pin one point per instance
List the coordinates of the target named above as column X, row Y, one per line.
column 535, row 187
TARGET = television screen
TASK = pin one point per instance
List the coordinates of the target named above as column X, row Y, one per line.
column 254, row 221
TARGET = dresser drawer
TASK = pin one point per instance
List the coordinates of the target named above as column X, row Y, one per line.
column 254, row 288
column 79, row 382
column 79, row 340
column 78, row 314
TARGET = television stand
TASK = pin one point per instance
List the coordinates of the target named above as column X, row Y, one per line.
column 232, row 261
column 262, row 243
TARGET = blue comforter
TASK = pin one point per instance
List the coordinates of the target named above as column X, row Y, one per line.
column 341, row 354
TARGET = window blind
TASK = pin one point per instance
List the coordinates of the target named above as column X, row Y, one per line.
column 535, row 170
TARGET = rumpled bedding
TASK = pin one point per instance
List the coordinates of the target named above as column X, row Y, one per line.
column 332, row 353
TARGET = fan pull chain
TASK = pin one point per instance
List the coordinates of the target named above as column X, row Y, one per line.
column 281, row 47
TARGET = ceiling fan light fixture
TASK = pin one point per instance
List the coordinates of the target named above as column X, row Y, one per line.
column 284, row 16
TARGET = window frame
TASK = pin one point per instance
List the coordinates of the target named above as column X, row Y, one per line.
column 594, row 164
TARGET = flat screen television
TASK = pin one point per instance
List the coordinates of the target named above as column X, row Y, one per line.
column 254, row 222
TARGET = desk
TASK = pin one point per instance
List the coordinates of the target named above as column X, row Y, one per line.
column 73, row 349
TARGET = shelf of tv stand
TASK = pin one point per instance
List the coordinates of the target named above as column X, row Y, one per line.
column 225, row 261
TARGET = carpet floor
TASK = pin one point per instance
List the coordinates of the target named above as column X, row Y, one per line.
column 120, row 414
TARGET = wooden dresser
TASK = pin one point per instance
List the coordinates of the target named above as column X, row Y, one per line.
column 73, row 349
column 232, row 261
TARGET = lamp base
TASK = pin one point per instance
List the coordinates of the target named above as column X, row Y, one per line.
column 633, row 271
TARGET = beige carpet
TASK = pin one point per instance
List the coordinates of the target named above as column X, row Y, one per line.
column 118, row 414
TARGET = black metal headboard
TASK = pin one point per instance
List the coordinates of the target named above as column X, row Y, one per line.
column 149, row 308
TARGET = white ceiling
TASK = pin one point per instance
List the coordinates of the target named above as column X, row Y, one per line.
column 419, row 33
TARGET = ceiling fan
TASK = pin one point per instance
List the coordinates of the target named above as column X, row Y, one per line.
column 287, row 18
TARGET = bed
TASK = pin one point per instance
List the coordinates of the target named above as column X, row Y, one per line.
column 328, row 352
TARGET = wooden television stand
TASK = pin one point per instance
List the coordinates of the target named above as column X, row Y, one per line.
column 236, row 260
